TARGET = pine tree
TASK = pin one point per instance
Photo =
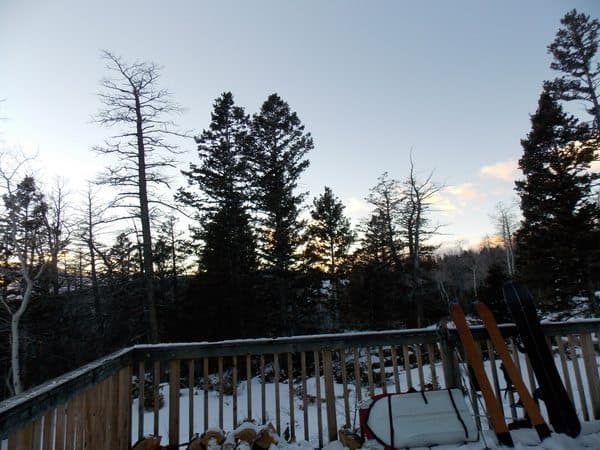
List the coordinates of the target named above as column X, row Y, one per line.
column 222, row 201
column 329, row 234
column 557, row 209
column 574, row 50
column 279, row 145
column 383, row 228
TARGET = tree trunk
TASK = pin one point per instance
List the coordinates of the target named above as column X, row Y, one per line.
column 146, row 233
column 15, row 334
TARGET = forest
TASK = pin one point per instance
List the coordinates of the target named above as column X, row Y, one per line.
column 241, row 251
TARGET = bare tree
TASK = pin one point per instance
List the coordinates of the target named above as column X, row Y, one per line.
column 416, row 227
column 58, row 229
column 505, row 220
column 133, row 103
column 22, row 228
column 93, row 216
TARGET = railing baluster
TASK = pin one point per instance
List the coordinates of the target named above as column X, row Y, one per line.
column 174, row 370
column 370, row 372
column 141, row 395
column 318, row 391
column 125, row 407
column 80, row 422
column 36, row 440
column 263, row 399
column 70, row 430
column 290, row 373
column 382, row 373
column 420, row 366
column 394, row 354
column 276, row 387
column 342, row 357
column 221, row 394
column 563, row 364
column 431, row 356
column 234, row 389
column 59, row 433
column 249, row 387
column 205, row 391
column 329, row 395
column 304, row 394
column 575, row 361
column 22, row 439
column 155, row 393
column 49, row 426
column 407, row 368
column 492, row 359
column 530, row 375
column 191, row 382
column 357, row 378
column 591, row 370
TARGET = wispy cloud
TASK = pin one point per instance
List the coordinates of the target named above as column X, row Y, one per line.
column 452, row 200
column 504, row 170
column 356, row 209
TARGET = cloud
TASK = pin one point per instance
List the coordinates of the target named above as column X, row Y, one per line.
column 356, row 209
column 506, row 170
column 452, row 200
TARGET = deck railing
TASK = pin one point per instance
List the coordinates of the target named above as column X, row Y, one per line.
column 307, row 386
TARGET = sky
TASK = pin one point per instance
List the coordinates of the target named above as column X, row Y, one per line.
column 452, row 82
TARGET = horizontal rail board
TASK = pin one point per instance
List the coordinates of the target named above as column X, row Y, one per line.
column 34, row 403
column 239, row 347
column 319, row 342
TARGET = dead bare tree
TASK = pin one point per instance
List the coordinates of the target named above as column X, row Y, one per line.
column 22, row 230
column 135, row 105
column 505, row 220
column 416, row 226
column 58, row 229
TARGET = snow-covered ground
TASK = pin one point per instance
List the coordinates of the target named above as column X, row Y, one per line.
column 525, row 438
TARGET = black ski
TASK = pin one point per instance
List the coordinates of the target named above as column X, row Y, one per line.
column 563, row 416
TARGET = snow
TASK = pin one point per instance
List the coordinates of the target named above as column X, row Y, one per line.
column 524, row 438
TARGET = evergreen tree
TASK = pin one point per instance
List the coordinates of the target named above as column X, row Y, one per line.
column 228, row 255
column 382, row 232
column 280, row 145
column 329, row 234
column 574, row 50
column 558, row 214
column 222, row 201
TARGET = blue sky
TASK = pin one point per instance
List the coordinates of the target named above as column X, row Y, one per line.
column 454, row 81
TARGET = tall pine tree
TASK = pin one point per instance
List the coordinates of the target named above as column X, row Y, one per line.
column 280, row 145
column 558, row 213
column 227, row 256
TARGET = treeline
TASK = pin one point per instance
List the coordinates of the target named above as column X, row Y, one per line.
column 260, row 258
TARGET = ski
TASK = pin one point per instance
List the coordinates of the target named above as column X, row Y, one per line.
column 474, row 360
column 561, row 411
column 529, row 404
